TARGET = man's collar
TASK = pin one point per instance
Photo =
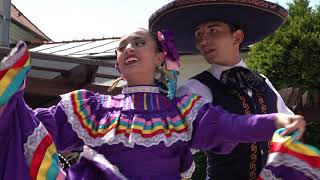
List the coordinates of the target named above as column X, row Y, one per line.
column 216, row 69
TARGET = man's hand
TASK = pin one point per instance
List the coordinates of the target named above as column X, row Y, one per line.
column 291, row 123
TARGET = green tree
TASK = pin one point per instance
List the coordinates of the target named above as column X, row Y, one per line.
column 200, row 160
column 291, row 56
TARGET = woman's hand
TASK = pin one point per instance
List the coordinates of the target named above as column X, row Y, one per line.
column 291, row 123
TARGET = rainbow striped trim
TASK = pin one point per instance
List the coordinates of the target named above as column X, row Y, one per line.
column 291, row 153
column 186, row 104
column 113, row 128
column 289, row 145
column 82, row 110
column 41, row 156
column 12, row 79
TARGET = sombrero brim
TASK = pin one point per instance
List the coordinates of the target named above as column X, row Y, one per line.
column 257, row 19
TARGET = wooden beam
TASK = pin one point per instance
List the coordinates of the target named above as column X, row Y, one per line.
column 108, row 76
column 66, row 72
column 102, row 89
column 50, row 69
column 51, row 57
column 59, row 58
column 56, row 87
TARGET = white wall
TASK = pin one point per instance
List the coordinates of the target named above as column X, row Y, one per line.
column 191, row 65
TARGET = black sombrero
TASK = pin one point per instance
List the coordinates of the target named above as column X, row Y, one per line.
column 257, row 18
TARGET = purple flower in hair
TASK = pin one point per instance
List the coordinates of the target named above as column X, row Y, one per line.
column 165, row 38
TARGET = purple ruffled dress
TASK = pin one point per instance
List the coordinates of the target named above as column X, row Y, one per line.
column 139, row 134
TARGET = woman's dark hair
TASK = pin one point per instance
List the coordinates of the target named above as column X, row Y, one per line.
column 154, row 37
column 156, row 40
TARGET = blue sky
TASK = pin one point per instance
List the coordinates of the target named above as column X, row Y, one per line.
column 78, row 19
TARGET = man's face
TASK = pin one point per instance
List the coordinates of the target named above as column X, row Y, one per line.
column 216, row 42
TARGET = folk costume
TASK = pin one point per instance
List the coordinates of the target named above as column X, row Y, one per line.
column 291, row 159
column 236, row 88
column 139, row 134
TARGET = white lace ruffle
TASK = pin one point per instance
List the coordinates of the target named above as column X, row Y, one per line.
column 110, row 138
column 188, row 173
column 33, row 141
column 278, row 159
column 91, row 154
column 194, row 151
column 14, row 56
column 266, row 174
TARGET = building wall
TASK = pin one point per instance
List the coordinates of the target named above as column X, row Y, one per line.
column 192, row 65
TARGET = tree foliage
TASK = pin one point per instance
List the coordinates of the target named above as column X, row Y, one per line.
column 291, row 56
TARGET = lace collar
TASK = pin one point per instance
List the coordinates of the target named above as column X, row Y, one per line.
column 143, row 89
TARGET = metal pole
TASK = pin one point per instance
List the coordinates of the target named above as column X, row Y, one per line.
column 5, row 7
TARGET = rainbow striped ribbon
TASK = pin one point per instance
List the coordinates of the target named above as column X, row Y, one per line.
column 12, row 77
column 288, row 156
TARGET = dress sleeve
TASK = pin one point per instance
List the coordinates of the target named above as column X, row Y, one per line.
column 194, row 86
column 187, row 165
column 13, row 72
column 26, row 144
column 56, row 122
column 220, row 131
column 77, row 119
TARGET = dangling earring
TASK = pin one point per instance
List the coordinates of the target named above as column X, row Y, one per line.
column 116, row 81
column 165, row 72
column 114, row 84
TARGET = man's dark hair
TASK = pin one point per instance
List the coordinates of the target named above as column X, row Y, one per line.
column 233, row 28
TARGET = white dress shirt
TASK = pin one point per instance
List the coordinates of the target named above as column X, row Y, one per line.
column 196, row 87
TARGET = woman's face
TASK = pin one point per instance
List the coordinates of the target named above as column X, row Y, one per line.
column 137, row 58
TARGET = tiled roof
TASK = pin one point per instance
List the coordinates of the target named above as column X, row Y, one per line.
column 17, row 16
column 89, row 48
column 94, row 50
